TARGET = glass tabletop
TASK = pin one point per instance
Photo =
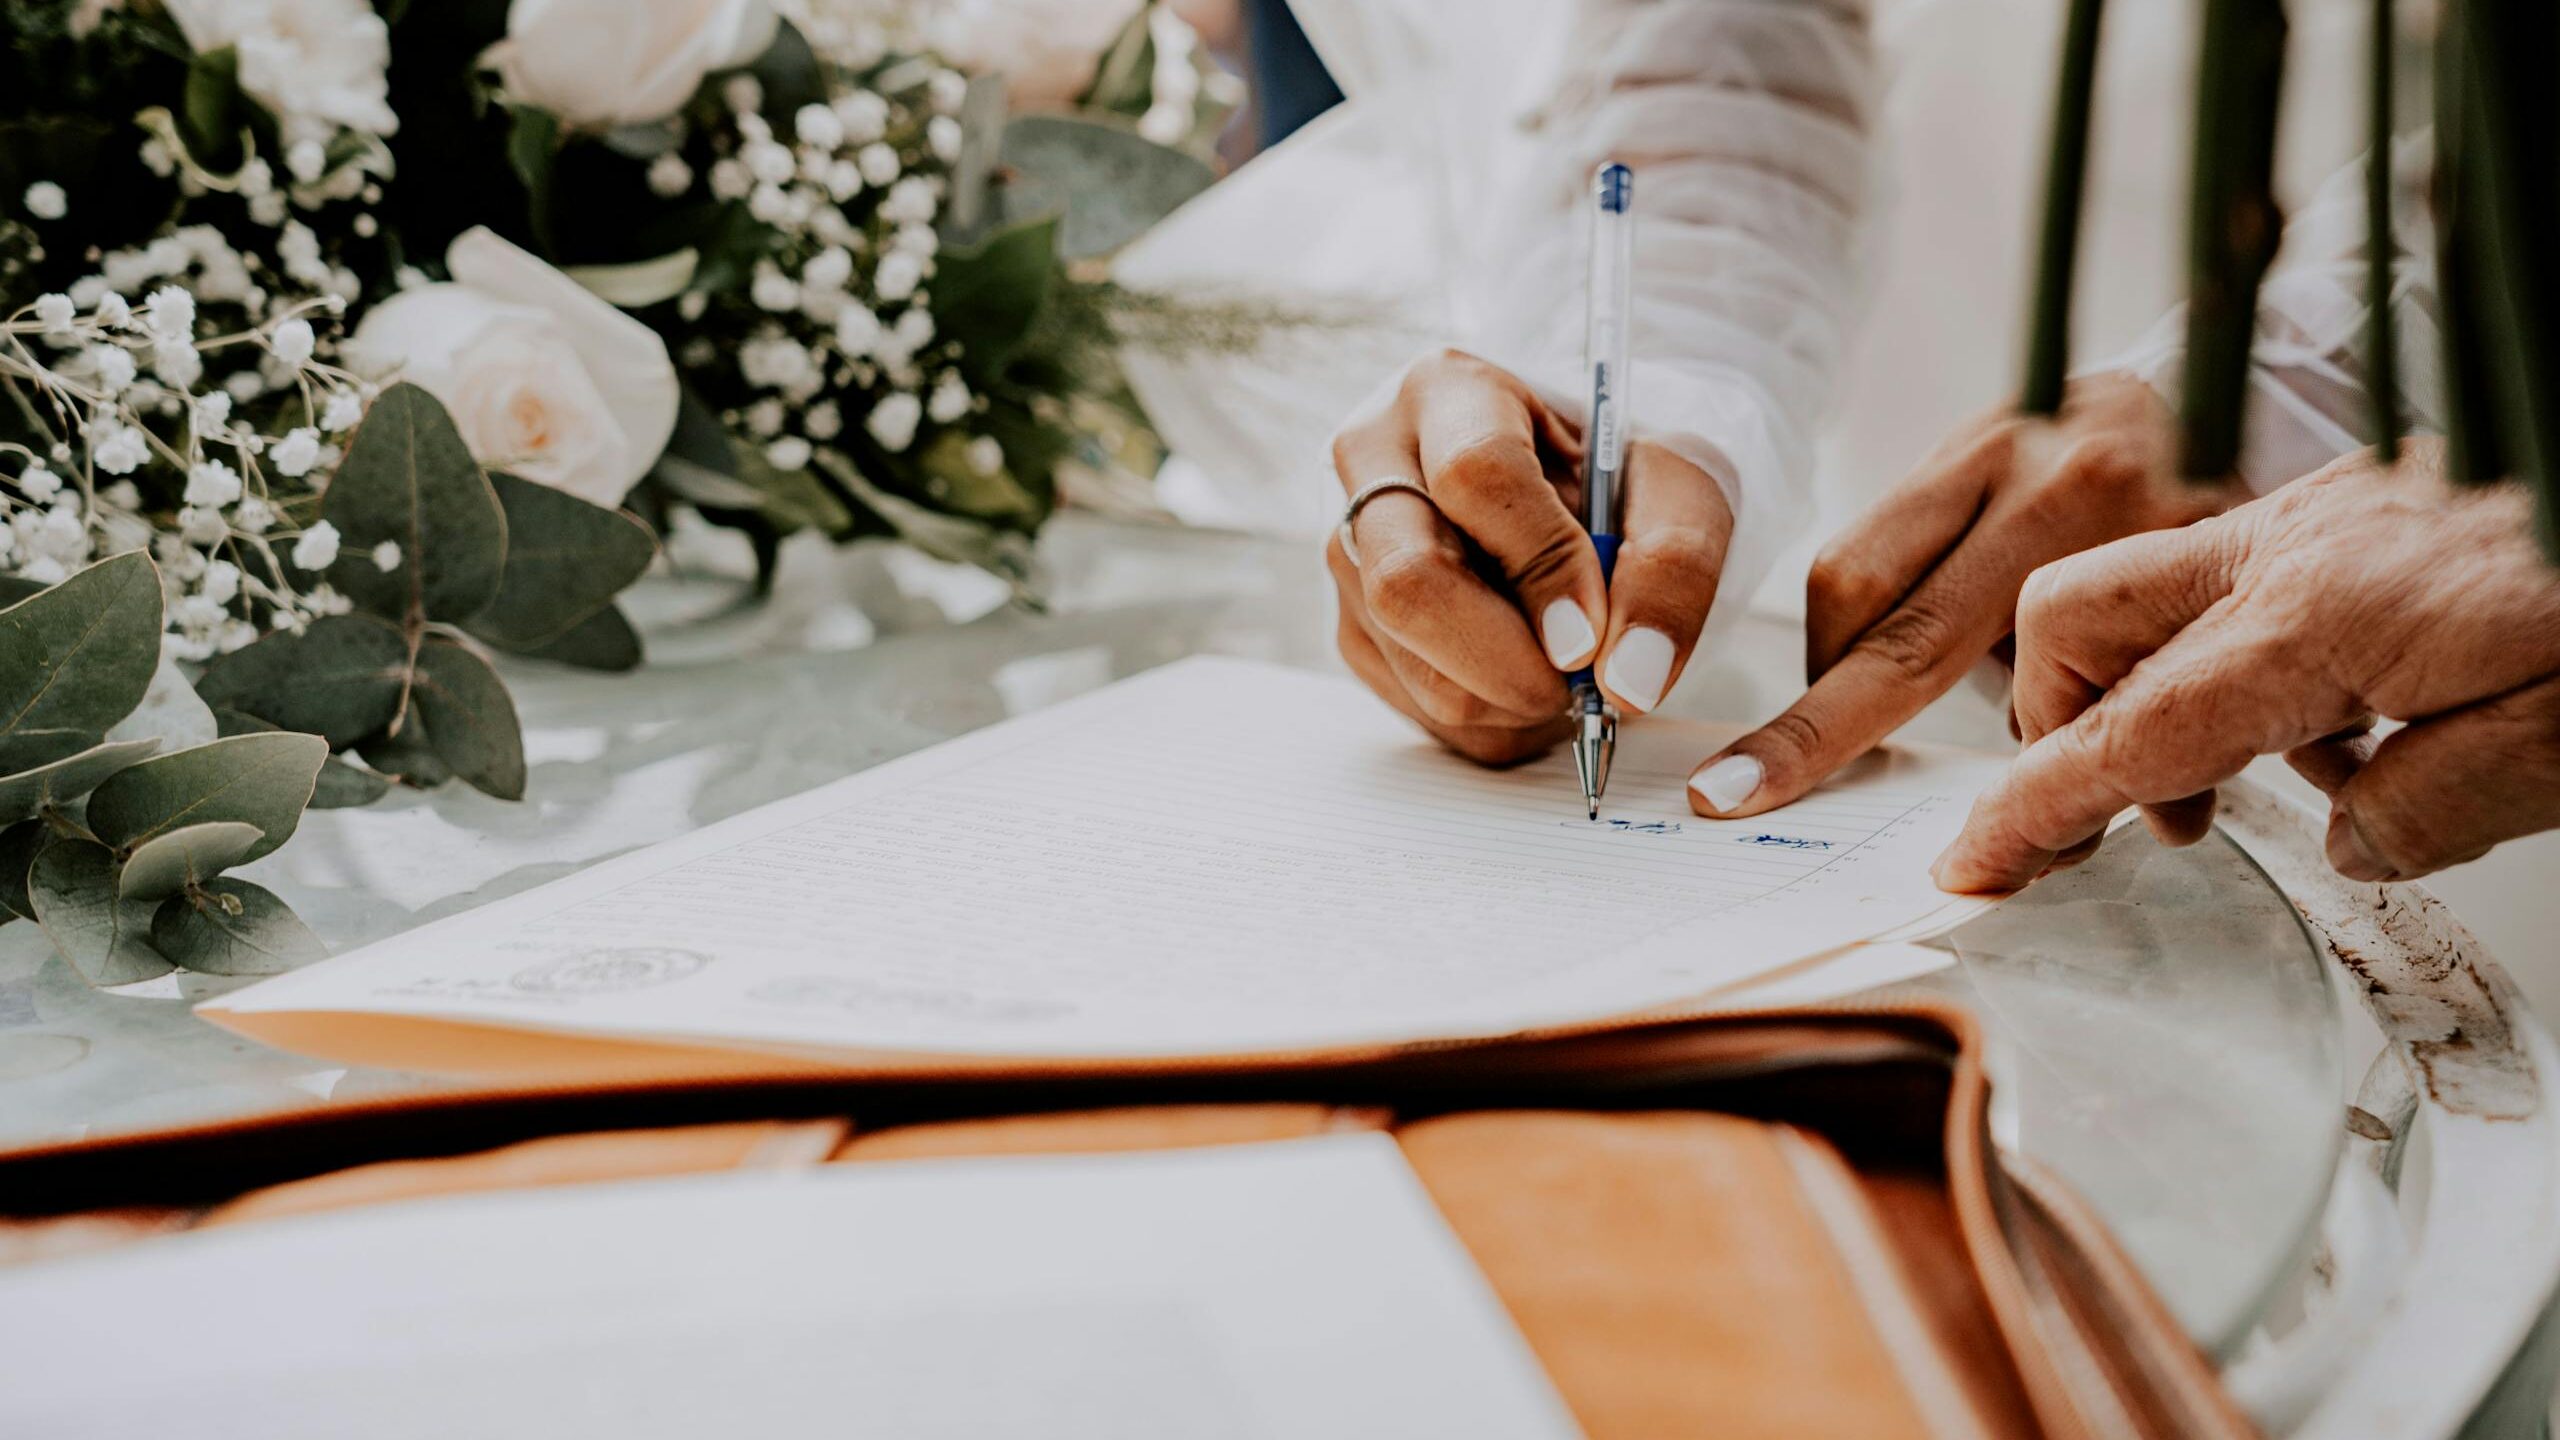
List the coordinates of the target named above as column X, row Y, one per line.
column 2164, row 1037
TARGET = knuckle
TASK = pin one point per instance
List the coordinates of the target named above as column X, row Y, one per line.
column 1408, row 586
column 1686, row 556
column 1792, row 734
column 1487, row 745
column 1485, row 466
column 1548, row 565
column 1446, row 363
column 1912, row 642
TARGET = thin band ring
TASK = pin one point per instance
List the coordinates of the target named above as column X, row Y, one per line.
column 1376, row 488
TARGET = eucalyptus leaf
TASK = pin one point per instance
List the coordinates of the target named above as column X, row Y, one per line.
column 35, row 749
column 533, row 151
column 339, row 679
column 470, row 719
column 24, row 795
column 165, row 864
column 566, row 559
column 700, row 485
column 603, row 641
column 258, row 780
column 408, row 755
column 989, row 295
column 78, row 657
column 106, row 937
column 341, row 786
column 264, row 937
column 1112, row 182
column 213, row 109
column 18, row 846
column 408, row 478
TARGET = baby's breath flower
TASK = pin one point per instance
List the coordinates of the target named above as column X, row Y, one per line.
column 119, row 449
column 865, row 116
column 744, row 95
column 829, row 269
column 984, row 455
column 253, row 515
column 823, row 421
column 221, row 582
column 122, row 495
column 295, row 454
column 386, row 556
column 942, row 135
column 893, row 420
column 112, row 365
column 773, row 290
column 305, row 159
column 898, row 276
column 764, row 418
column 788, row 453
column 210, row 482
column 202, row 524
column 46, row 201
column 947, row 90
column 317, row 549
column 769, row 162
column 857, row 330
column 950, row 399
column 293, row 342
column 55, row 312
column 170, row 313
column 345, row 408
column 879, row 164
column 39, row 483
column 820, row 126
column 730, row 180
column 669, row 176
column 909, row 202
column 177, row 364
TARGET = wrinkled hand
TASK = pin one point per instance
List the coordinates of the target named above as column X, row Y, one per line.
column 1467, row 610
column 2159, row 666
column 1925, row 583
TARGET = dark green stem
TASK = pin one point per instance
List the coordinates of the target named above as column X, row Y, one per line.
column 2234, row 225
column 2382, row 353
column 2058, row 239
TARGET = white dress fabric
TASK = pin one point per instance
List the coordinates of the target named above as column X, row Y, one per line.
column 1447, row 203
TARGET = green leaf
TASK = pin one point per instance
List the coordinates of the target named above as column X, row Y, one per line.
column 1001, row 553
column 264, row 937
column 470, row 719
column 340, row 679
column 1112, row 182
column 21, row 753
column 959, row 486
column 18, row 846
column 1124, row 79
column 165, row 864
column 566, row 560
column 77, row 658
column 105, row 936
column 603, row 641
column 789, row 73
column 533, row 152
column 409, row 756
column 25, row 795
column 211, row 114
column 408, row 478
column 259, row 780
column 341, row 786
column 988, row 296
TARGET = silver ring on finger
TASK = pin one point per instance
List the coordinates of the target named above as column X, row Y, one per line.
column 1362, row 496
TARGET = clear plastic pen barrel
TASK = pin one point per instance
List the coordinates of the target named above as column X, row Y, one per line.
column 1605, row 346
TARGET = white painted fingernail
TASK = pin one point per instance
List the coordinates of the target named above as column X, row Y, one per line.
column 1640, row 667
column 1569, row 633
column 1727, row 783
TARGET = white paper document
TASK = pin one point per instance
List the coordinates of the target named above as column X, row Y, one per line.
column 1303, row 1288
column 1217, row 856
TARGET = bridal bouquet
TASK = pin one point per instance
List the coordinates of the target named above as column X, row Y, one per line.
column 387, row 332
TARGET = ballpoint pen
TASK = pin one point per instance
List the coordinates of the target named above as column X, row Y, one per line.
column 1595, row 737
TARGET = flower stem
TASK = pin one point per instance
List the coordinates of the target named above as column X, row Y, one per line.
column 2058, row 238
column 2233, row 224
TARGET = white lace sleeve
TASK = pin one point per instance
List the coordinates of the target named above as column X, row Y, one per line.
column 2307, row 402
column 1746, row 122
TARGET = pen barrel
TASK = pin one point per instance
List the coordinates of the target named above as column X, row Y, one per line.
column 1607, row 343
column 1582, row 682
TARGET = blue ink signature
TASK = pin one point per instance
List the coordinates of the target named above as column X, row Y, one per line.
column 1790, row 842
column 1628, row 827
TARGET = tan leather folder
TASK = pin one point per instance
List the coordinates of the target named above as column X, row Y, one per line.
column 1786, row 1223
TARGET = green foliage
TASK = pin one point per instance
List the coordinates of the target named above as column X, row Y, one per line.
column 100, row 833
column 988, row 296
column 231, row 927
column 1107, row 183
column 510, row 564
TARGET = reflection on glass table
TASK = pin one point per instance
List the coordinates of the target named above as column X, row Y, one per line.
column 2164, row 1036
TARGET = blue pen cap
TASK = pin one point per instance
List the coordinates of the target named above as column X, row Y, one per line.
column 1616, row 187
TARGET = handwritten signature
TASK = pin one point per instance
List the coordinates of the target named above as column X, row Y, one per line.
column 1627, row 827
column 1789, row 842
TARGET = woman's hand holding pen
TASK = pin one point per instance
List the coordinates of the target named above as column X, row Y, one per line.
column 1467, row 609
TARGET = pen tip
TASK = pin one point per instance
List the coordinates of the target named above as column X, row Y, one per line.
column 1595, row 809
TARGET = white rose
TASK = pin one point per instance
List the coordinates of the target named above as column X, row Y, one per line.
column 318, row 64
column 544, row 379
column 601, row 63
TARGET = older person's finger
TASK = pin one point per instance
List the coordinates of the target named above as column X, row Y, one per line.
column 2332, row 760
column 2086, row 620
column 2192, row 716
column 2446, row 789
column 1674, row 528
column 1477, row 431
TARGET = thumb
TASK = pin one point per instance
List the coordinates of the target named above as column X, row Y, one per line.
column 2447, row 789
